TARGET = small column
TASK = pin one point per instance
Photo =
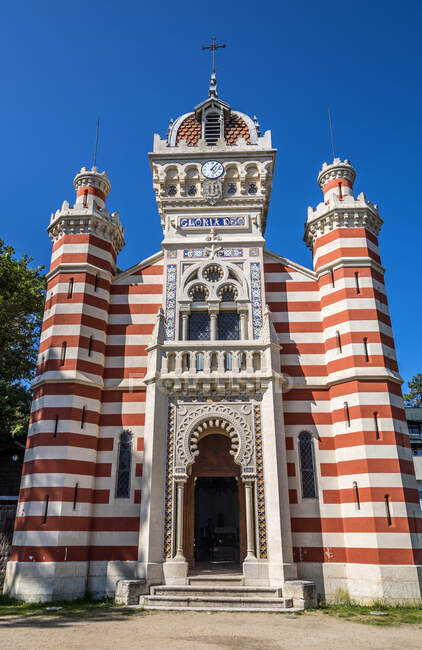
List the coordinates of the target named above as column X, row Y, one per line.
column 213, row 326
column 178, row 367
column 207, row 362
column 250, row 521
column 249, row 361
column 220, row 361
column 213, row 312
column 243, row 325
column 185, row 327
column 179, row 520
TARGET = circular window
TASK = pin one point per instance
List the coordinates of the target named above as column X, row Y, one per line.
column 213, row 273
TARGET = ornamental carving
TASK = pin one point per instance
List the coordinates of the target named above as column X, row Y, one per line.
column 218, row 416
column 212, row 191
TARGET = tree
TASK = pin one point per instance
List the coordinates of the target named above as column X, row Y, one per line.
column 414, row 396
column 22, row 295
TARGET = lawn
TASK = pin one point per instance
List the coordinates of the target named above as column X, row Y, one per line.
column 375, row 614
column 79, row 608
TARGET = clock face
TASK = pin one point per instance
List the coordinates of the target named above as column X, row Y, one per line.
column 212, row 169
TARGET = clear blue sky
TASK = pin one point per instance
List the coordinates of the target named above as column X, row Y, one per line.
column 138, row 64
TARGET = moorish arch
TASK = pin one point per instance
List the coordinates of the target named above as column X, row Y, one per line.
column 224, row 418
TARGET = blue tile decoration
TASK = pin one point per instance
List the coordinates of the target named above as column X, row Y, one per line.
column 195, row 253
column 256, row 299
column 211, row 222
column 260, row 501
column 171, row 302
column 168, row 505
column 231, row 252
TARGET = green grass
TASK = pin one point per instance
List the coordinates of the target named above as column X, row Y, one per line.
column 79, row 608
column 395, row 614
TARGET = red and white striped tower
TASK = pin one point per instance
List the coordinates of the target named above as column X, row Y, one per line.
column 370, row 511
column 54, row 518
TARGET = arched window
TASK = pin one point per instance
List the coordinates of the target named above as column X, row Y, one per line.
column 307, row 465
column 124, row 465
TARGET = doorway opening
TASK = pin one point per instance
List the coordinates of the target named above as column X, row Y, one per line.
column 215, row 515
column 216, row 520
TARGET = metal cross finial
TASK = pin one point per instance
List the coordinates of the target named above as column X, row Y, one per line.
column 213, row 47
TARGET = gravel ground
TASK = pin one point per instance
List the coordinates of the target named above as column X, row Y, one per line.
column 201, row 631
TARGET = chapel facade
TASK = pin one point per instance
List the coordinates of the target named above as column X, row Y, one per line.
column 217, row 403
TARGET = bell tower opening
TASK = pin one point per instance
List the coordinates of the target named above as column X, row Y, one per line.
column 215, row 524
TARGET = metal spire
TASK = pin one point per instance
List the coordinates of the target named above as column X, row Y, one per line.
column 96, row 142
column 332, row 134
column 213, row 47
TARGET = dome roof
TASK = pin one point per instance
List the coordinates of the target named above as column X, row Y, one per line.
column 235, row 127
column 211, row 120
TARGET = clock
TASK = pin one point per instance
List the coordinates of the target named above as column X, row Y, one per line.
column 212, row 169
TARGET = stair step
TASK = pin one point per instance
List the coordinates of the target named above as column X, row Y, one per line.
column 217, row 602
column 246, row 609
column 217, row 579
column 224, row 590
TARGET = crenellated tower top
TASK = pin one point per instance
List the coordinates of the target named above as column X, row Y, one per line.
column 89, row 183
column 337, row 178
column 340, row 209
column 88, row 215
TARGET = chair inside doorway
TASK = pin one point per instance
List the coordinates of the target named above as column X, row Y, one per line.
column 215, row 526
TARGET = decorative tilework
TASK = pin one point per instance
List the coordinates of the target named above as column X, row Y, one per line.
column 260, row 505
column 193, row 252
column 171, row 302
column 212, row 222
column 256, row 299
column 168, row 506
column 231, row 252
column 224, row 252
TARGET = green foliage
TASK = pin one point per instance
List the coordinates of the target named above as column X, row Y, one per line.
column 78, row 608
column 15, row 406
column 393, row 614
column 22, row 295
column 414, row 396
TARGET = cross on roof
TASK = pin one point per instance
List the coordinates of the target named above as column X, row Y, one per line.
column 213, row 47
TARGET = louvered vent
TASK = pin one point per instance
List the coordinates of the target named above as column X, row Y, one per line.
column 212, row 128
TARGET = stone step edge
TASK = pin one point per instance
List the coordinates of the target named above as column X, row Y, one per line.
column 217, row 577
column 217, row 599
column 223, row 588
column 245, row 610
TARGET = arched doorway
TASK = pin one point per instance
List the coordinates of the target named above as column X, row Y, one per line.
column 215, row 521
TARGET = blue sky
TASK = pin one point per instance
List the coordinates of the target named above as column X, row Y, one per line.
column 139, row 64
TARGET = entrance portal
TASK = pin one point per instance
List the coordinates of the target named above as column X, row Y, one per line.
column 216, row 520
column 214, row 505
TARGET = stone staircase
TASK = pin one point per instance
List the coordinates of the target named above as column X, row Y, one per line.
column 216, row 593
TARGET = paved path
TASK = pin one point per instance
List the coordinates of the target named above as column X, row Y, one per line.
column 201, row 631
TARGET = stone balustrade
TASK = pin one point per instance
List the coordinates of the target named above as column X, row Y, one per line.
column 194, row 357
column 213, row 365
